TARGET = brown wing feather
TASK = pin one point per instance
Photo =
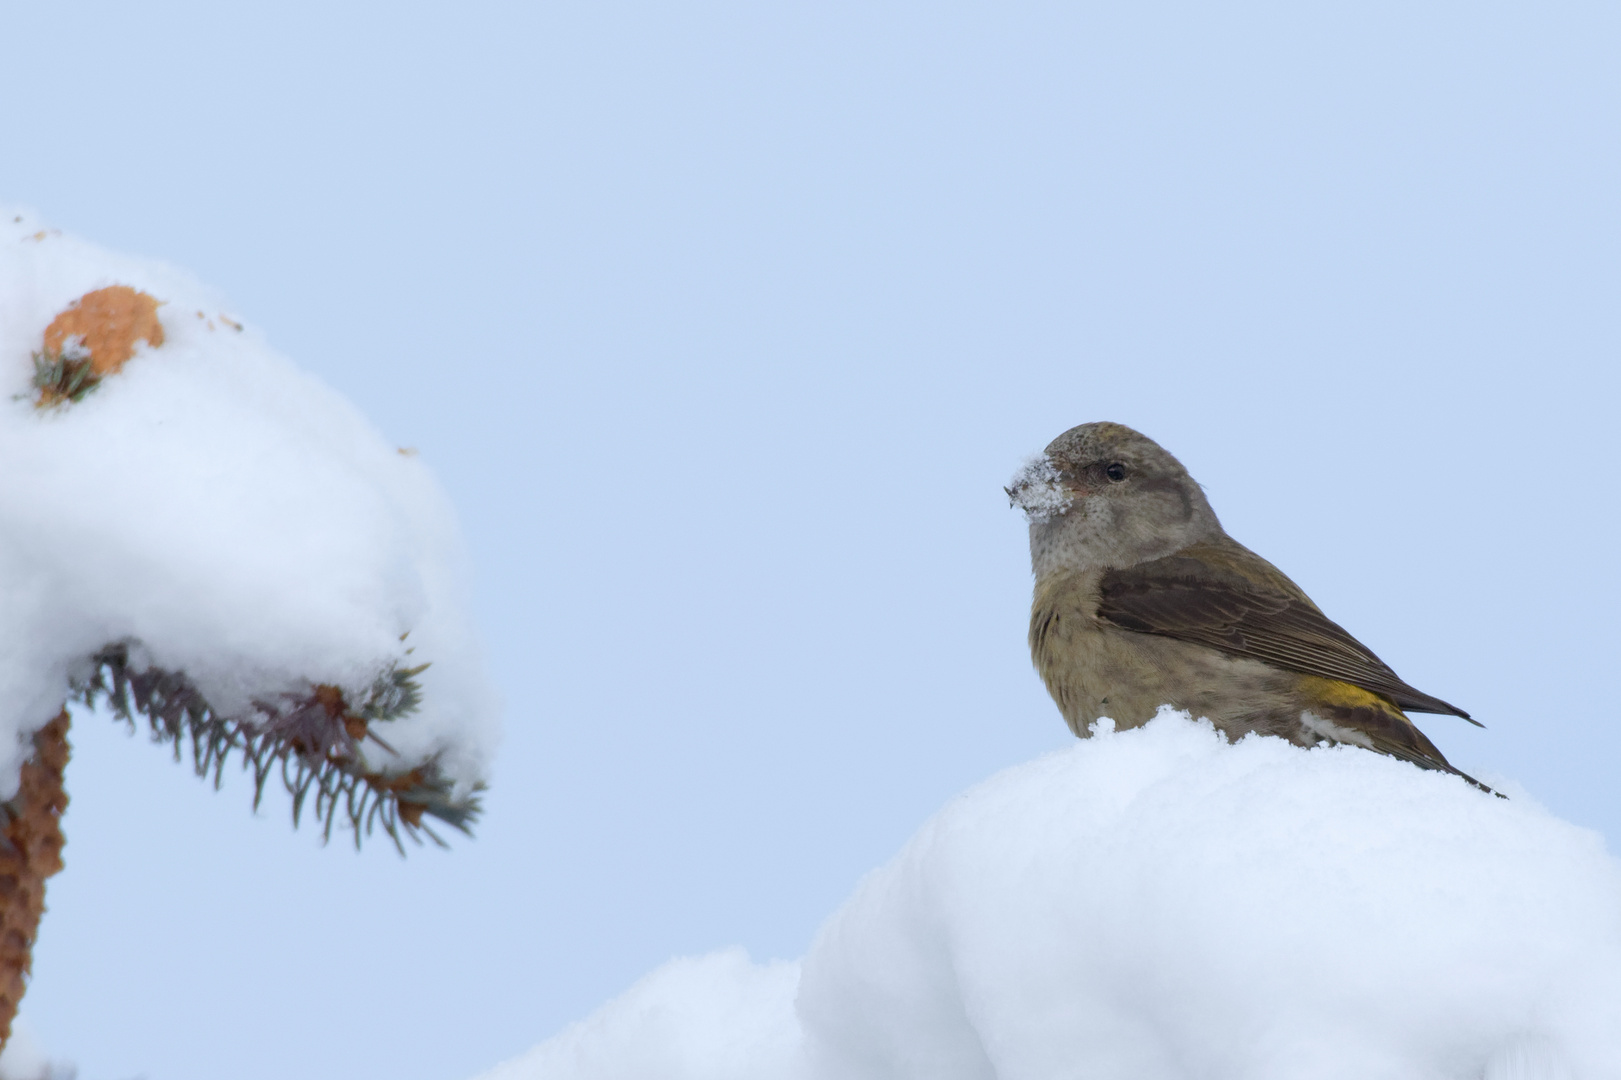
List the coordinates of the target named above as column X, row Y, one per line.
column 1225, row 596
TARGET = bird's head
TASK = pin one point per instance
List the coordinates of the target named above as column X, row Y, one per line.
column 1102, row 496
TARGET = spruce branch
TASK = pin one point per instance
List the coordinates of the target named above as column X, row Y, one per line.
column 312, row 740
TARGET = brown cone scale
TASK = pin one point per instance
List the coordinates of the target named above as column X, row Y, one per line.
column 30, row 852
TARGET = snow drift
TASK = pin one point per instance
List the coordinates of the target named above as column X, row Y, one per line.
column 211, row 510
column 1157, row 903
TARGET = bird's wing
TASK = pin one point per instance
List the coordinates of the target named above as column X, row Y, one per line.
column 1221, row 594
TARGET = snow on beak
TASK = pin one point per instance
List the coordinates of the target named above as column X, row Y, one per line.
column 1038, row 489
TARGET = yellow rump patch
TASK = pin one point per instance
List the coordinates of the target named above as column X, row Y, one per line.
column 1333, row 692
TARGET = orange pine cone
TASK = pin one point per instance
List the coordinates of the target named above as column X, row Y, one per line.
column 110, row 321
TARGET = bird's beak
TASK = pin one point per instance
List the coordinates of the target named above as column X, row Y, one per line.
column 1038, row 489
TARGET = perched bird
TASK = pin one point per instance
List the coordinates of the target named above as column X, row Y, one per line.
column 1143, row 600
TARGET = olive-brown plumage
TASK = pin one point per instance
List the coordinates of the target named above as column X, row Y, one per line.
column 1143, row 600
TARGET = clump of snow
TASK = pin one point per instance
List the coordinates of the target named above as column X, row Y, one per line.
column 1038, row 489
column 1158, row 903
column 224, row 514
column 24, row 1059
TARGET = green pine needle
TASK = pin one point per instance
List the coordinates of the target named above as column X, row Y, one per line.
column 64, row 375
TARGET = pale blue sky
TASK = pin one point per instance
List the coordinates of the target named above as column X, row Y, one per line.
column 723, row 325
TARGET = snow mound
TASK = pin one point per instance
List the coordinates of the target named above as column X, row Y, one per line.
column 24, row 1059
column 1157, row 903
column 716, row 1017
column 211, row 510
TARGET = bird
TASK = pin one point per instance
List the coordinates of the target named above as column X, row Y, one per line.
column 1142, row 599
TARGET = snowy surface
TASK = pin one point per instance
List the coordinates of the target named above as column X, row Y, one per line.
column 226, row 514
column 24, row 1059
column 715, row 1017
column 1157, row 903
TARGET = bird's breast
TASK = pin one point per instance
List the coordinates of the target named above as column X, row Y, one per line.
column 1073, row 653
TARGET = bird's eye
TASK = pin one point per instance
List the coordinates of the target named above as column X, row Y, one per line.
column 1116, row 472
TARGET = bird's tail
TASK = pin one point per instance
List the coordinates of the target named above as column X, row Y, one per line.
column 1376, row 723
